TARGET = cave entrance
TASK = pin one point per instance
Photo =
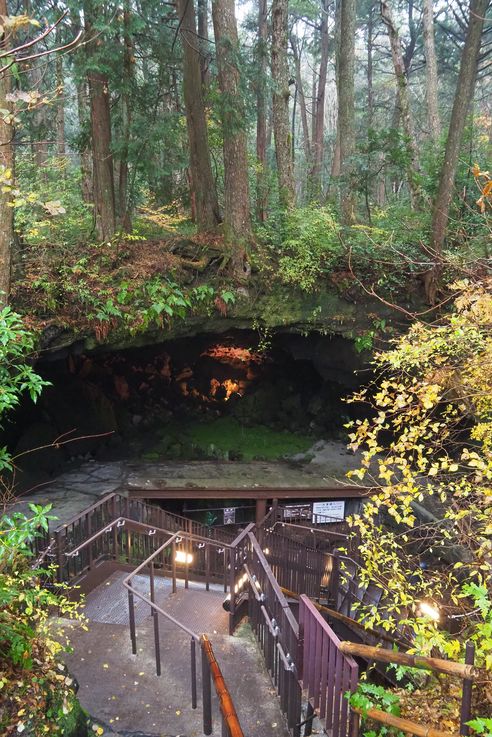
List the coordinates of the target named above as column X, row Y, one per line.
column 237, row 396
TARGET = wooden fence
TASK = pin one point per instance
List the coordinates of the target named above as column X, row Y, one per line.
column 327, row 673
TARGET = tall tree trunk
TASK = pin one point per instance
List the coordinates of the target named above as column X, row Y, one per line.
column 346, row 108
column 104, row 196
column 281, row 94
column 335, row 162
column 370, row 99
column 6, row 176
column 204, row 192
column 237, row 218
column 333, row 186
column 319, row 121
column 413, row 165
column 85, row 152
column 261, row 111
column 314, row 96
column 60, row 108
column 124, row 210
column 462, row 100
column 203, row 42
column 370, row 51
column 302, row 100
column 431, row 71
column 40, row 121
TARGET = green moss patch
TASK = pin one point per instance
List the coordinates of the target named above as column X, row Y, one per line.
column 226, row 438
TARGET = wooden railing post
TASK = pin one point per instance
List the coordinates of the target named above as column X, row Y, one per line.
column 89, row 533
column 335, row 580
column 206, row 695
column 193, row 673
column 60, row 560
column 466, row 697
column 207, row 566
column 115, row 530
column 131, row 615
column 225, row 570
column 152, row 588
column 155, row 615
column 232, row 587
column 173, row 563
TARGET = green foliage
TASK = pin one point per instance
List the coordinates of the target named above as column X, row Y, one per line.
column 17, row 533
column 481, row 635
column 16, row 374
column 388, row 252
column 306, row 244
column 37, row 693
column 49, row 210
column 369, row 696
column 481, row 726
column 365, row 342
column 148, row 304
column 428, row 442
column 36, row 696
column 99, row 289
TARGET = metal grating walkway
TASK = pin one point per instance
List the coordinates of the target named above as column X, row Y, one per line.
column 199, row 610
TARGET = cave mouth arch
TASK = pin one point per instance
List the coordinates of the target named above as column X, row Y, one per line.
column 237, row 395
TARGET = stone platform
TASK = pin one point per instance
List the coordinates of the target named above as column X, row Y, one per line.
column 324, row 466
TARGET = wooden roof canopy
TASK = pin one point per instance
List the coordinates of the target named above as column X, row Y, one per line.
column 251, row 492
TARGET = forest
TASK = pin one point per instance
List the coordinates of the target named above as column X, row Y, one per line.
column 347, row 141
column 308, row 167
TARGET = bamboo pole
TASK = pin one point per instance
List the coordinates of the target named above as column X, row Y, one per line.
column 404, row 725
column 413, row 661
column 226, row 705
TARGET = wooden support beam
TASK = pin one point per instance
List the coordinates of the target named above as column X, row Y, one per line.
column 261, row 492
column 404, row 725
column 260, row 510
column 438, row 665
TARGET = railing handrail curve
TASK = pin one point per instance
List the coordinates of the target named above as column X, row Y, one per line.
column 131, row 523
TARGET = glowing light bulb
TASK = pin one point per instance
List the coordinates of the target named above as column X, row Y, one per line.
column 183, row 557
column 427, row 609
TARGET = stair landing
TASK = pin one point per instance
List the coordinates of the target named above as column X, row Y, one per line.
column 122, row 692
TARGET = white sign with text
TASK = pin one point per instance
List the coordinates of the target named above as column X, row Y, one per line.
column 335, row 511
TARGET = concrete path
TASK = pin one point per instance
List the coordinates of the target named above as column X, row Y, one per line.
column 122, row 692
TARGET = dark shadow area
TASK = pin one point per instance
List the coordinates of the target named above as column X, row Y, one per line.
column 232, row 396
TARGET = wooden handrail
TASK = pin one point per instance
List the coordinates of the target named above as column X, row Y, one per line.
column 439, row 665
column 143, row 526
column 87, row 510
column 343, row 618
column 312, row 527
column 404, row 725
column 225, row 701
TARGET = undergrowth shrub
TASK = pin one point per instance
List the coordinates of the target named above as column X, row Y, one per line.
column 37, row 694
column 306, row 244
